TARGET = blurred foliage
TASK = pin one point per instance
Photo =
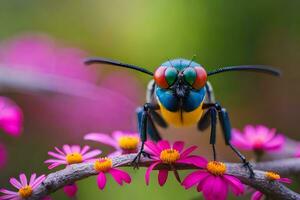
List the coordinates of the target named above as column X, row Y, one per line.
column 146, row 33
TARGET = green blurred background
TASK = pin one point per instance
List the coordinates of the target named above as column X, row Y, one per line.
column 147, row 33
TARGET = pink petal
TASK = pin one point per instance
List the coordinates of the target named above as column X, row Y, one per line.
column 285, row 180
column 101, row 180
column 91, row 154
column 38, row 181
column 4, row 191
column 84, row 149
column 257, row 195
column 67, row 149
column 276, row 143
column 55, row 155
column 52, row 166
column 162, row 176
column 10, row 197
column 120, row 176
column 32, row 179
column 152, row 148
column 117, row 134
column 236, row 185
column 75, row 149
column 23, row 179
column 188, row 151
column 249, row 132
column 215, row 188
column 102, row 138
column 15, row 183
column 178, row 145
column 163, row 144
column 150, row 168
column 194, row 160
column 194, row 178
column 59, row 151
column 56, row 161
column 239, row 140
column 71, row 190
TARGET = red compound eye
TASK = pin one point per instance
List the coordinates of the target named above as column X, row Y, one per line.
column 201, row 78
column 160, row 78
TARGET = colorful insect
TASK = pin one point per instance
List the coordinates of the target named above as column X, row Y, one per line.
column 180, row 95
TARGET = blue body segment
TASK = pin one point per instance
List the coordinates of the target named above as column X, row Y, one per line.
column 194, row 100
column 180, row 63
column 171, row 103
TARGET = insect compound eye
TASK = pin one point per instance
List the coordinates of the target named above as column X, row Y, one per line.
column 201, row 78
column 171, row 75
column 165, row 76
column 195, row 76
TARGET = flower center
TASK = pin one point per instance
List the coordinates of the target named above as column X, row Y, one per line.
column 169, row 156
column 258, row 143
column 74, row 158
column 103, row 164
column 25, row 192
column 216, row 168
column 128, row 142
column 272, row 176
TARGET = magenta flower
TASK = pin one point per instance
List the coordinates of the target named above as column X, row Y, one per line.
column 87, row 103
column 71, row 190
column 213, row 181
column 162, row 152
column 257, row 195
column 104, row 166
column 25, row 188
column 71, row 155
column 259, row 138
column 123, row 142
column 3, row 156
column 11, row 117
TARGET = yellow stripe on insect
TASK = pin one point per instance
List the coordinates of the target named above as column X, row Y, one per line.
column 187, row 118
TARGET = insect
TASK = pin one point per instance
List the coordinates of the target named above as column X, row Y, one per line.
column 180, row 95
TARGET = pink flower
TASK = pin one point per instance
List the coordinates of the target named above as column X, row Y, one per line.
column 3, row 156
column 259, row 138
column 71, row 155
column 257, row 195
column 162, row 152
column 213, row 181
column 80, row 102
column 11, row 117
column 123, row 142
column 71, row 190
column 25, row 188
column 104, row 166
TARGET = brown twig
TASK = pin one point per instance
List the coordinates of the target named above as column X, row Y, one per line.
column 272, row 189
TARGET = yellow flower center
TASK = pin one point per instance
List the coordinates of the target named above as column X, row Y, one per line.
column 103, row 164
column 272, row 176
column 25, row 192
column 216, row 168
column 128, row 143
column 169, row 156
column 74, row 158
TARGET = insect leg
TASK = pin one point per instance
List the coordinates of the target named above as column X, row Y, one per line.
column 226, row 127
column 151, row 128
column 144, row 120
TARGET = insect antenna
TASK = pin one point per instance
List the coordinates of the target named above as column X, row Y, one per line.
column 194, row 56
column 254, row 68
column 90, row 61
